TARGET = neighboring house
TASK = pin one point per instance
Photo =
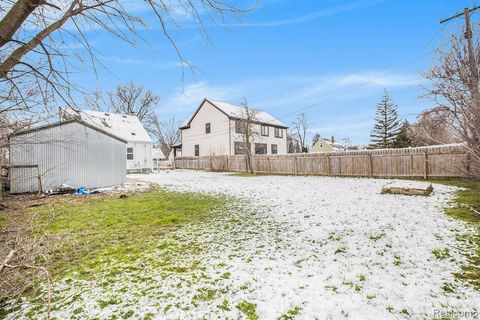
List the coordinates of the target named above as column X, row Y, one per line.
column 70, row 152
column 326, row 145
column 158, row 156
column 127, row 127
column 214, row 129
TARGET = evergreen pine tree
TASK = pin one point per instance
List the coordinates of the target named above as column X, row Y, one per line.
column 403, row 139
column 386, row 126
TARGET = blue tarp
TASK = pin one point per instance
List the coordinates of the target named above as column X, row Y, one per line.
column 82, row 190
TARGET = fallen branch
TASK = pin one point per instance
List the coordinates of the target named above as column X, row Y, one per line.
column 7, row 259
column 474, row 211
column 47, row 275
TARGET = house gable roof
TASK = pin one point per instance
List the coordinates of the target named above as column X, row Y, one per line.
column 235, row 112
column 334, row 146
column 127, row 127
column 61, row 123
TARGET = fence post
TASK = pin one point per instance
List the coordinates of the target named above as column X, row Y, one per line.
column 411, row 166
column 370, row 158
column 468, row 164
column 198, row 163
column 40, row 191
column 295, row 170
column 228, row 167
column 329, row 166
column 268, row 164
column 425, row 165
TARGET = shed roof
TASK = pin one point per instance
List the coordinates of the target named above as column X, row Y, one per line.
column 61, row 123
column 236, row 112
column 127, row 127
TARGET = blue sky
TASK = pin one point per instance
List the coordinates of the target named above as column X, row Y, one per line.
column 329, row 59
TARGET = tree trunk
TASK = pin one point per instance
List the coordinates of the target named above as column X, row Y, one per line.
column 15, row 17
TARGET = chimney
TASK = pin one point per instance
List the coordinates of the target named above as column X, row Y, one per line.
column 333, row 139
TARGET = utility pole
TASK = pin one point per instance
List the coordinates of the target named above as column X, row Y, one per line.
column 468, row 28
column 471, row 58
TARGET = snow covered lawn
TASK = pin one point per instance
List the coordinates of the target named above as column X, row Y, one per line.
column 339, row 248
column 288, row 248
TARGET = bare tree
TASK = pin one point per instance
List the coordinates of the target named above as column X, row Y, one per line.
column 293, row 146
column 40, row 41
column 245, row 126
column 455, row 88
column 315, row 138
column 433, row 127
column 166, row 134
column 300, row 130
column 130, row 99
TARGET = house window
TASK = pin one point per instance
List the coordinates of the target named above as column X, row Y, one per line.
column 264, row 130
column 278, row 133
column 129, row 153
column 260, row 148
column 239, row 148
column 274, row 149
column 239, row 128
column 197, row 150
column 207, row 127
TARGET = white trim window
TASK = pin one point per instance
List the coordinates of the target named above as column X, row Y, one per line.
column 278, row 133
column 239, row 126
column 274, row 149
column 197, row 150
column 264, row 130
column 130, row 153
column 239, row 148
column 261, row 148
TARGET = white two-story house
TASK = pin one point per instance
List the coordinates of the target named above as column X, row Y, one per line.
column 214, row 129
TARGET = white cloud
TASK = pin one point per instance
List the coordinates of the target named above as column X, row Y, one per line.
column 310, row 16
column 343, row 105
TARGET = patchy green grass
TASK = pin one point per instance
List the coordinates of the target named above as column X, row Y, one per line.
column 441, row 254
column 466, row 201
column 224, row 305
column 249, row 309
column 106, row 229
column 291, row 314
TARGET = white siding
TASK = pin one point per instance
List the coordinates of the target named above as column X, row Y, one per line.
column 70, row 153
column 214, row 143
column 142, row 156
column 221, row 139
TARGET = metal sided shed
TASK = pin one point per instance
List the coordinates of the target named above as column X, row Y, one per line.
column 69, row 152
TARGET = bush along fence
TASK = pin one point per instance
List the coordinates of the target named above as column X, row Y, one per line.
column 421, row 162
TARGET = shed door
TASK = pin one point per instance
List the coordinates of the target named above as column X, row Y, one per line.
column 23, row 180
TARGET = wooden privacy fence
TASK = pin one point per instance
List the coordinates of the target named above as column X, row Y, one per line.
column 423, row 162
